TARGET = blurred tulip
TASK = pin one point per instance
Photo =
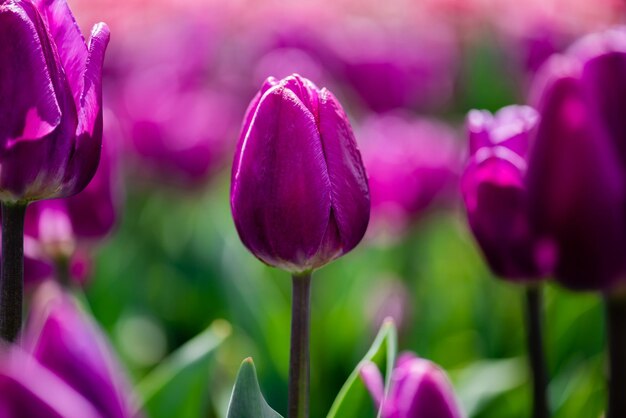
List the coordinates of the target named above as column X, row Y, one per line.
column 179, row 124
column 29, row 390
column 410, row 162
column 495, row 194
column 65, row 341
column 418, row 388
column 299, row 192
column 397, row 67
column 50, row 100
column 577, row 188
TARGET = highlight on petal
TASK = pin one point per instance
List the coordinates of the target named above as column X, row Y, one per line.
column 68, row 39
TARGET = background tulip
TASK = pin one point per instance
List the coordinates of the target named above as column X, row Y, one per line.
column 418, row 388
column 576, row 178
column 65, row 341
column 494, row 190
column 410, row 162
column 299, row 193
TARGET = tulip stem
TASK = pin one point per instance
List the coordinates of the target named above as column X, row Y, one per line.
column 12, row 272
column 615, row 306
column 298, row 405
column 62, row 271
column 536, row 356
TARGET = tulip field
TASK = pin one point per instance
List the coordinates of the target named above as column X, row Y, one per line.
column 313, row 209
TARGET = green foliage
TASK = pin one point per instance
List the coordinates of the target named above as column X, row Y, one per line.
column 247, row 400
column 353, row 401
column 179, row 386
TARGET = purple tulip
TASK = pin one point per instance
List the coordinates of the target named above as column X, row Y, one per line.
column 50, row 100
column 495, row 193
column 577, row 187
column 29, row 390
column 70, row 345
column 418, row 389
column 410, row 162
column 299, row 192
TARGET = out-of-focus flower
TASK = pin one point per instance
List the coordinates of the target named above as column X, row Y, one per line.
column 418, row 388
column 495, row 194
column 53, row 228
column 299, row 192
column 577, row 187
column 391, row 67
column 50, row 100
column 30, row 390
column 389, row 298
column 61, row 338
column 64, row 367
column 179, row 124
column 410, row 162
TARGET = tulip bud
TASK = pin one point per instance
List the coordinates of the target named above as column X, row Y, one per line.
column 576, row 180
column 50, row 100
column 299, row 192
column 418, row 388
column 494, row 190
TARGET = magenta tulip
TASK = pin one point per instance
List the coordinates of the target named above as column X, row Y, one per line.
column 299, row 192
column 50, row 100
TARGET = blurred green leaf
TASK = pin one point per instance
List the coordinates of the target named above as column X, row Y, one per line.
column 178, row 387
column 247, row 400
column 354, row 400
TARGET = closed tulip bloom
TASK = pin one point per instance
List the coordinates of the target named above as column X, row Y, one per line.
column 576, row 177
column 50, row 100
column 299, row 192
column 495, row 194
column 418, row 389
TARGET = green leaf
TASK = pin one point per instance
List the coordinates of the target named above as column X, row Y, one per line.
column 354, row 401
column 178, row 387
column 247, row 400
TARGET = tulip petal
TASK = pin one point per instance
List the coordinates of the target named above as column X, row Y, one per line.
column 373, row 380
column 65, row 341
column 84, row 162
column 349, row 188
column 34, row 87
column 27, row 96
column 29, row 390
column 69, row 41
column 604, row 78
column 576, row 189
column 280, row 193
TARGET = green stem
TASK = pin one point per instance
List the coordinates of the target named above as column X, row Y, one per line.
column 615, row 306
column 299, row 354
column 12, row 272
column 62, row 271
column 536, row 356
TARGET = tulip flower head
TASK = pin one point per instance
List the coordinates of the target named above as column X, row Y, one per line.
column 299, row 192
column 418, row 389
column 576, row 178
column 50, row 100
column 495, row 194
